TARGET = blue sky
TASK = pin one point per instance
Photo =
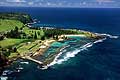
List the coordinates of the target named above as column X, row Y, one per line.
column 61, row 3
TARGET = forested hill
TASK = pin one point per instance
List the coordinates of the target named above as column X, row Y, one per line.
column 8, row 23
column 24, row 18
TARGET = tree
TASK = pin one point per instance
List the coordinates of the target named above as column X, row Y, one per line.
column 43, row 38
column 16, row 29
column 1, row 37
column 15, row 49
column 21, row 28
column 35, row 36
column 56, row 37
column 38, row 33
column 14, row 33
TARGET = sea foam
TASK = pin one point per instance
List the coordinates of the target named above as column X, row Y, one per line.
column 24, row 62
column 108, row 35
column 3, row 78
column 70, row 54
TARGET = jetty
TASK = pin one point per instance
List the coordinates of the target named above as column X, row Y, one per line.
column 31, row 59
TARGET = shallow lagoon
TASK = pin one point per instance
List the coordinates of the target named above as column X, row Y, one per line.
column 70, row 44
column 99, row 62
column 55, row 48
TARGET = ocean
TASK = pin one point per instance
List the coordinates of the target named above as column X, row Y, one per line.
column 98, row 61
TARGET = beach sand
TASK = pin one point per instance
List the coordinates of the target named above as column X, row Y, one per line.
column 45, row 45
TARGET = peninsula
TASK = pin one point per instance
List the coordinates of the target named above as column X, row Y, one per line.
column 19, row 39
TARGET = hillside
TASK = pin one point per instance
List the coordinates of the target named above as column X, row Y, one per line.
column 6, row 25
column 24, row 18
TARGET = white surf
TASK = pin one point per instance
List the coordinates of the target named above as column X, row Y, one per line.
column 70, row 54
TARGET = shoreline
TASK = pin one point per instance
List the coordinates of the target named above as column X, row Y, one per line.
column 57, row 34
column 45, row 45
column 75, row 35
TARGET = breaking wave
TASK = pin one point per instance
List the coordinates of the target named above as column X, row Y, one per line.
column 70, row 54
column 3, row 78
column 24, row 62
column 108, row 35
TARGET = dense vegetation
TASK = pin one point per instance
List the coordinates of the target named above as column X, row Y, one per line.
column 11, row 25
column 3, row 62
column 24, row 18
column 17, row 38
column 52, row 32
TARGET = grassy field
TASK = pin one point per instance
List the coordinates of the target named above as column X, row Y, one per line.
column 30, row 32
column 11, row 42
column 31, row 46
column 23, row 45
column 20, row 44
column 6, row 25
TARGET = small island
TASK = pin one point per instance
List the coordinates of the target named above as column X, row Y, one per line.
column 20, row 39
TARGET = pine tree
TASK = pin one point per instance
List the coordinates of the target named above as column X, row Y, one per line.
column 35, row 36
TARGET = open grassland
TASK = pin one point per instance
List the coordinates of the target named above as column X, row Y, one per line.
column 31, row 32
column 11, row 42
column 28, row 47
column 6, row 25
column 22, row 46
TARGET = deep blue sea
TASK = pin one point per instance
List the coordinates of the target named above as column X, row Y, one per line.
column 101, row 61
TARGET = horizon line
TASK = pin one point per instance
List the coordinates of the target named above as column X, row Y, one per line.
column 56, row 7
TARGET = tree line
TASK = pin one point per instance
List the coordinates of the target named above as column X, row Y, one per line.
column 25, row 18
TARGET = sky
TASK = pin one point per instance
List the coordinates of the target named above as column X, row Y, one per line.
column 61, row 3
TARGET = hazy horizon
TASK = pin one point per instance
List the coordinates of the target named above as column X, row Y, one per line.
column 62, row 3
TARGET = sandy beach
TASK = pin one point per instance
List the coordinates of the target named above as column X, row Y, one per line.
column 75, row 35
column 45, row 45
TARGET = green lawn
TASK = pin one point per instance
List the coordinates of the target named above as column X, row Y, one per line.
column 25, row 48
column 21, row 45
column 11, row 42
column 6, row 25
column 29, row 47
column 30, row 32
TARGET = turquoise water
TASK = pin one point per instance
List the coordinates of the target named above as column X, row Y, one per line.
column 69, row 45
column 99, row 62
column 64, row 47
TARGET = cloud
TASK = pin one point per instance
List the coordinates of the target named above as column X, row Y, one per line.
column 48, row 3
column 30, row 3
column 19, row 1
column 105, row 1
column 62, row 3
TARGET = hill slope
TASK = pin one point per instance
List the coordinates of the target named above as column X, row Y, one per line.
column 24, row 18
column 6, row 25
